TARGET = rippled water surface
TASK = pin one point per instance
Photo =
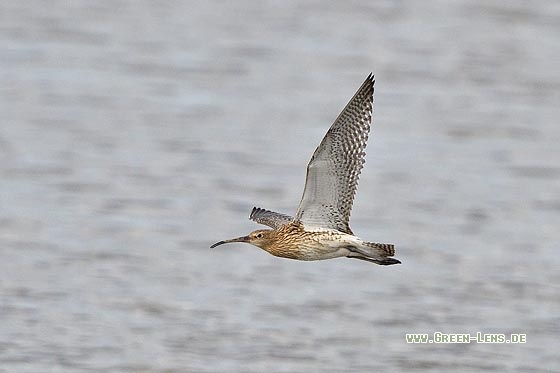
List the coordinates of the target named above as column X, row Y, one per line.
column 135, row 134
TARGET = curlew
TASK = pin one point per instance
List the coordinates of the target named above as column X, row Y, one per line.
column 320, row 228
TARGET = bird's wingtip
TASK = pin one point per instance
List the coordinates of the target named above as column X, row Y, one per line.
column 253, row 211
column 370, row 79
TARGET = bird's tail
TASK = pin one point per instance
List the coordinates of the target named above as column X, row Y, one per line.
column 386, row 249
column 378, row 253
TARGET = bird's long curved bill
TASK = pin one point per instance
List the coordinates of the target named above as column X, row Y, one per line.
column 238, row 239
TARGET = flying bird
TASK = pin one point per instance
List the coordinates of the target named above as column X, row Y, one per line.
column 320, row 229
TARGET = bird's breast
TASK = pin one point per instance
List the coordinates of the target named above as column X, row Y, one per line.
column 295, row 242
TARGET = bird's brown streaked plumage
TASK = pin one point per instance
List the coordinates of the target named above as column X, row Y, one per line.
column 320, row 229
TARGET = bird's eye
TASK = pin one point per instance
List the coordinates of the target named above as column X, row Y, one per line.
column 260, row 235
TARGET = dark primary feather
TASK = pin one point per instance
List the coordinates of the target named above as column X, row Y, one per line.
column 270, row 218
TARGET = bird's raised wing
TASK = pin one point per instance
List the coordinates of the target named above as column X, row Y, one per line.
column 273, row 219
column 332, row 173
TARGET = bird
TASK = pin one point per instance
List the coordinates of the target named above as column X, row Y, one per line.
column 320, row 229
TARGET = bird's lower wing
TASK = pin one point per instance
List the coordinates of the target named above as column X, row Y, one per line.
column 270, row 218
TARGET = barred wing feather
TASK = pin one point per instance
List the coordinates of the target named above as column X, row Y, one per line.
column 334, row 168
column 270, row 218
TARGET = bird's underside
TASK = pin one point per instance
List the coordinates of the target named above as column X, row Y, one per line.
column 317, row 243
column 320, row 228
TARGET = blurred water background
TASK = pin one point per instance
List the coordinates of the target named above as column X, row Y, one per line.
column 134, row 134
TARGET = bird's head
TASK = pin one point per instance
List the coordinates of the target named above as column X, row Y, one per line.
column 261, row 238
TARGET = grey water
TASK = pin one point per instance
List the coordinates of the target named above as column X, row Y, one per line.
column 134, row 134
